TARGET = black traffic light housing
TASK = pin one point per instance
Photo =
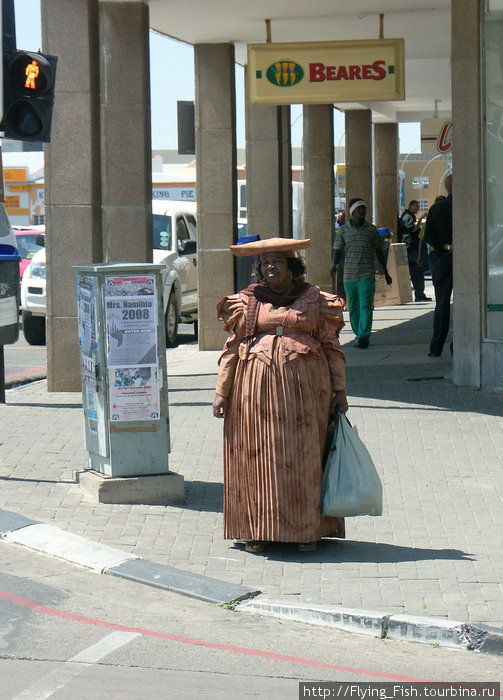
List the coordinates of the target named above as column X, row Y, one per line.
column 186, row 128
column 28, row 95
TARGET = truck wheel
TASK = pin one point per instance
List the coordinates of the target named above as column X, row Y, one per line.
column 171, row 322
column 33, row 328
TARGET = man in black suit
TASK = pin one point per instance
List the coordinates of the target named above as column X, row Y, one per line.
column 438, row 235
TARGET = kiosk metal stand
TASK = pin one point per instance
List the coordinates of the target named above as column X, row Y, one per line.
column 124, row 384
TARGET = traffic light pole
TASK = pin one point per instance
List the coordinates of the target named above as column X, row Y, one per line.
column 2, row 375
column 8, row 26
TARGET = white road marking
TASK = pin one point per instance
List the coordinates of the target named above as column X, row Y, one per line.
column 57, row 679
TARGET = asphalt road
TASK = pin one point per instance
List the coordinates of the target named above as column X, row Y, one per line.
column 69, row 633
column 24, row 361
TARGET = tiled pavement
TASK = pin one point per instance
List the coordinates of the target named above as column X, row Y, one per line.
column 437, row 551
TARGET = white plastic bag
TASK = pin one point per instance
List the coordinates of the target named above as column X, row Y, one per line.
column 350, row 484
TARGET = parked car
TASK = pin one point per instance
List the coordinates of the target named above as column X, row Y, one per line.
column 175, row 247
column 33, row 298
column 26, row 244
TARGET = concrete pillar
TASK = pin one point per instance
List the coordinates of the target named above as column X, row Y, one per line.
column 72, row 177
column 126, row 156
column 358, row 124
column 386, row 175
column 215, row 117
column 268, row 171
column 468, row 215
column 319, row 192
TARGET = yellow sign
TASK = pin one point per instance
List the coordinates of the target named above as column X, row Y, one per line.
column 12, row 201
column 14, row 174
column 18, row 188
column 16, row 212
column 325, row 72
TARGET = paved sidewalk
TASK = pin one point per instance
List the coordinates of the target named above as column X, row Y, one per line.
column 437, row 551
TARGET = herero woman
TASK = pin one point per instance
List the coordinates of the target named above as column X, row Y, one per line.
column 281, row 372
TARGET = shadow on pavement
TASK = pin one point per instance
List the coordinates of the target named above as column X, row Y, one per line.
column 29, row 404
column 396, row 368
column 204, row 496
column 191, row 403
column 39, row 481
column 346, row 551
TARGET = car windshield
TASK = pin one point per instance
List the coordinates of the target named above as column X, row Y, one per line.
column 26, row 245
column 161, row 232
column 192, row 226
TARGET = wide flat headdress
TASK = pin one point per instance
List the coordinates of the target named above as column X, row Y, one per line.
column 288, row 246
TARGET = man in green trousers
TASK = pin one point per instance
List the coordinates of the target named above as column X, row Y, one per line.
column 362, row 244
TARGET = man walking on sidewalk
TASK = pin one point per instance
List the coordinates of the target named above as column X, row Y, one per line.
column 408, row 233
column 438, row 234
column 361, row 243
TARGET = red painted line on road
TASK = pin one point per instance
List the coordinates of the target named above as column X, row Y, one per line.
column 17, row 600
column 25, row 372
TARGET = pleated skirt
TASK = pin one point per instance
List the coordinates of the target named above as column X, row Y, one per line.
column 274, row 436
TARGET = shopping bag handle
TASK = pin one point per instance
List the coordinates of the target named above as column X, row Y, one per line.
column 337, row 414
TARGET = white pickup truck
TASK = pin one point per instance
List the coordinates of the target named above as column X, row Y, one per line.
column 175, row 246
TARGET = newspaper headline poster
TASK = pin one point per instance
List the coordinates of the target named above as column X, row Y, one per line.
column 134, row 393
column 87, row 316
column 96, row 436
column 88, row 343
column 131, row 331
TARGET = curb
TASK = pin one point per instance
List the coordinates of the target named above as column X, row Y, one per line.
column 52, row 541
column 20, row 380
column 426, row 630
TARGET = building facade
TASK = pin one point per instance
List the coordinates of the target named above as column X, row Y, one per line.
column 452, row 60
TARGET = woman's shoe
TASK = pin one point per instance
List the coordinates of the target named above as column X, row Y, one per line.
column 254, row 546
column 307, row 546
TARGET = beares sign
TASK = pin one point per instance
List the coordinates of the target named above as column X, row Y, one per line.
column 324, row 72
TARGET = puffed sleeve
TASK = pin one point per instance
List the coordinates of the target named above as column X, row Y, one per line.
column 331, row 322
column 231, row 311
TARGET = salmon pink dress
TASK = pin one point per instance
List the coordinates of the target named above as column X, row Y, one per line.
column 279, row 384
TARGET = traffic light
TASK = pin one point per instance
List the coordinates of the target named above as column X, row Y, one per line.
column 186, row 128
column 28, row 95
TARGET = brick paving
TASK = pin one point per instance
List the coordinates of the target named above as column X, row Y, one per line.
column 437, row 551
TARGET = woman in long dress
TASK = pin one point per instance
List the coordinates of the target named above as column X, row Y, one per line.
column 280, row 374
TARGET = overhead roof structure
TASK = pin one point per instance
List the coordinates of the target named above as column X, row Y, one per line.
column 425, row 26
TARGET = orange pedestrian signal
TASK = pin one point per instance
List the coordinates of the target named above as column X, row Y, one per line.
column 32, row 72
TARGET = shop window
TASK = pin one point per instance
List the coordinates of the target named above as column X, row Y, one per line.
column 494, row 176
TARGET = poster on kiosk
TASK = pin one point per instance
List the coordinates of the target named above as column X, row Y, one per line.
column 123, row 368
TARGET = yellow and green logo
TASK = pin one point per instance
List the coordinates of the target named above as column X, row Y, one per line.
column 284, row 73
